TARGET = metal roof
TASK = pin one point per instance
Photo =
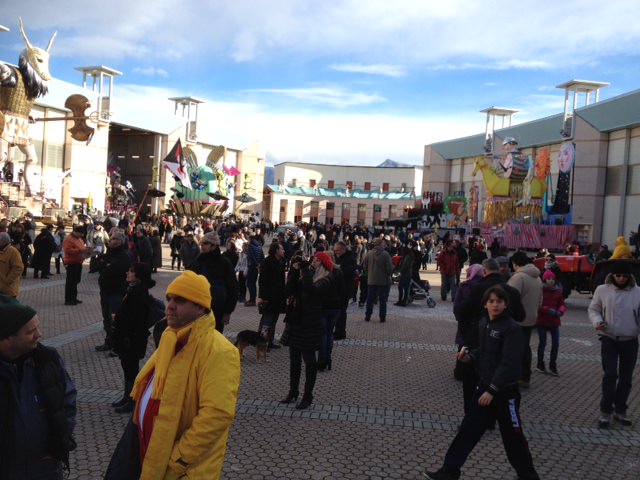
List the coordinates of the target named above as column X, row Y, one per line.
column 537, row 132
column 461, row 147
column 615, row 113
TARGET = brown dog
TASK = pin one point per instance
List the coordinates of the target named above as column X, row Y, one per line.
column 260, row 340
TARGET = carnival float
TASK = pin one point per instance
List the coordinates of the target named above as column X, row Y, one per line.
column 20, row 87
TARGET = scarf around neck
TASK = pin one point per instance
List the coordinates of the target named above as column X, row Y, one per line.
column 159, row 362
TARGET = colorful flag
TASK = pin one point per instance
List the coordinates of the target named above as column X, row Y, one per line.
column 233, row 171
column 176, row 164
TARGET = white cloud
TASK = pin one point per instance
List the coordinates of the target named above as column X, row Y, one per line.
column 152, row 72
column 276, row 53
column 512, row 64
column 334, row 97
column 377, row 69
column 412, row 32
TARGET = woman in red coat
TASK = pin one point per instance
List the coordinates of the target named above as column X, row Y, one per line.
column 548, row 320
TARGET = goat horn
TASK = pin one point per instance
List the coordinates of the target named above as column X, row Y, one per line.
column 51, row 41
column 24, row 35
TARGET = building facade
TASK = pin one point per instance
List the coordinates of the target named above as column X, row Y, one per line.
column 331, row 194
column 604, row 182
column 127, row 144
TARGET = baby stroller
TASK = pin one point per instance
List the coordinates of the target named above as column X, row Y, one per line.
column 420, row 291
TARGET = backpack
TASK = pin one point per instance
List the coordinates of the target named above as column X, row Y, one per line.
column 156, row 310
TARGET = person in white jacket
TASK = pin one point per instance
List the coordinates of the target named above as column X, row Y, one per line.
column 615, row 313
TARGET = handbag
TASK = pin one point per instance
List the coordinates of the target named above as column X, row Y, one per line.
column 125, row 461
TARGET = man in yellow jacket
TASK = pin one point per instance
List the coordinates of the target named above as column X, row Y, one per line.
column 186, row 393
column 11, row 267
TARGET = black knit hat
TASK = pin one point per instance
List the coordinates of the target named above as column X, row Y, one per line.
column 13, row 315
column 621, row 267
column 142, row 272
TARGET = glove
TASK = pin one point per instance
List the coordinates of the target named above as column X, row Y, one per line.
column 559, row 313
column 552, row 311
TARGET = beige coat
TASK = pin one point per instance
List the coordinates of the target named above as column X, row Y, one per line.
column 11, row 268
column 527, row 281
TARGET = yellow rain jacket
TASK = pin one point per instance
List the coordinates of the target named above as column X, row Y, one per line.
column 622, row 250
column 197, row 407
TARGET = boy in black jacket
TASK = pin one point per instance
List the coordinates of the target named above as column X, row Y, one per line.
column 498, row 360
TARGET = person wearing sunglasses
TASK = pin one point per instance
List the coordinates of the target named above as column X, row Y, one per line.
column 615, row 313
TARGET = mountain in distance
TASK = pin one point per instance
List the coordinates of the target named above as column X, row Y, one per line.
column 388, row 163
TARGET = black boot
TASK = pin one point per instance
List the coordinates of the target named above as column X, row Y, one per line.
column 292, row 396
column 305, row 402
column 120, row 402
column 329, row 364
column 126, row 408
column 321, row 365
column 126, row 396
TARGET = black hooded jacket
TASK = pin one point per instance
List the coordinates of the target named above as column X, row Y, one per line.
column 471, row 308
column 222, row 277
column 498, row 358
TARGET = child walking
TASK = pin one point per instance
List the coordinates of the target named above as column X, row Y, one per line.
column 498, row 360
column 548, row 321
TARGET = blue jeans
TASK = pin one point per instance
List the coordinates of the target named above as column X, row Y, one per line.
column 329, row 318
column 449, row 284
column 252, row 279
column 542, row 344
column 381, row 292
column 618, row 361
column 269, row 320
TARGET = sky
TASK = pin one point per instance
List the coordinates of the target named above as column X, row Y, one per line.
column 349, row 82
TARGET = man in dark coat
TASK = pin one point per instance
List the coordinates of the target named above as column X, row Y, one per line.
column 113, row 267
column 271, row 289
column 255, row 257
column 143, row 247
column 37, row 399
column 346, row 260
column 221, row 276
column 471, row 310
column 44, row 245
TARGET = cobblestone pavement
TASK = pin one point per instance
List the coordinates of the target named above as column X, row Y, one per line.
column 388, row 408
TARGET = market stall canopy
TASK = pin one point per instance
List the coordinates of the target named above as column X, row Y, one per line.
column 245, row 198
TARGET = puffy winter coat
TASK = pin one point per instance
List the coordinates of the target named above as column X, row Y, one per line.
column 271, row 284
column 197, row 407
column 379, row 266
column 306, row 321
column 11, row 268
column 552, row 299
column 622, row 250
column 448, row 262
column 618, row 307
column 498, row 358
column 131, row 332
column 527, row 281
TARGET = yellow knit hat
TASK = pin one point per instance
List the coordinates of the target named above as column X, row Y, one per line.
column 192, row 287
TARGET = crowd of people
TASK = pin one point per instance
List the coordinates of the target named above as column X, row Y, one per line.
column 310, row 275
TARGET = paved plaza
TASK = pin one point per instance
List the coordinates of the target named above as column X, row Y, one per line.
column 388, row 409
